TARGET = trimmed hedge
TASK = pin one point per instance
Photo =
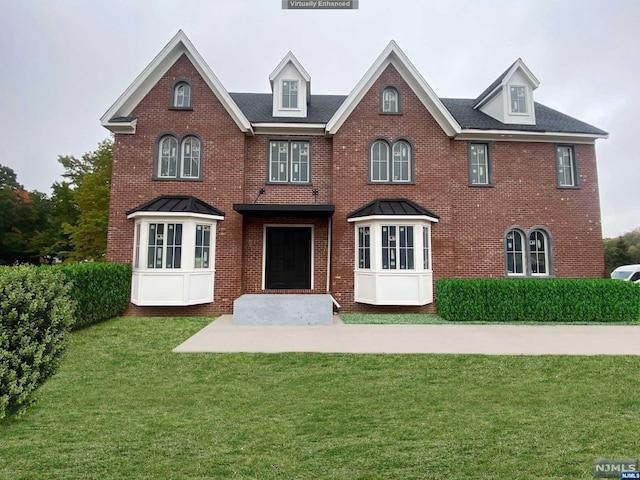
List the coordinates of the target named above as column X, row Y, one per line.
column 36, row 313
column 537, row 300
column 101, row 290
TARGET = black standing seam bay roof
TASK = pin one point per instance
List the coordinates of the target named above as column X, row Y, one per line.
column 177, row 204
column 391, row 207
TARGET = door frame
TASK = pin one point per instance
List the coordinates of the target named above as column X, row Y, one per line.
column 264, row 248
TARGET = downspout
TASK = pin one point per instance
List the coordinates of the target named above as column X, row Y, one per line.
column 329, row 240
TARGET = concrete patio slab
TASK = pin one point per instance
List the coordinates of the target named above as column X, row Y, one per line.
column 222, row 336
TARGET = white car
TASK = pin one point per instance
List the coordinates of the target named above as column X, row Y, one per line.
column 627, row 272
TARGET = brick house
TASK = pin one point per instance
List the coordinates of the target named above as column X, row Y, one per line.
column 370, row 196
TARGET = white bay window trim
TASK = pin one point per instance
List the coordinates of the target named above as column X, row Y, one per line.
column 191, row 280
column 405, row 282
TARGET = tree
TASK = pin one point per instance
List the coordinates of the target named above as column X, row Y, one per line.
column 90, row 177
column 623, row 250
column 19, row 220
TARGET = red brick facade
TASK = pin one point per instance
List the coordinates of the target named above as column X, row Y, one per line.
column 468, row 240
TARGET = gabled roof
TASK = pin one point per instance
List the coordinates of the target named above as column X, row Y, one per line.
column 547, row 119
column 179, row 45
column 392, row 207
column 258, row 108
column 504, row 78
column 392, row 55
column 177, row 204
column 291, row 58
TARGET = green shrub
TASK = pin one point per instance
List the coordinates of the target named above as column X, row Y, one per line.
column 36, row 313
column 538, row 300
column 101, row 290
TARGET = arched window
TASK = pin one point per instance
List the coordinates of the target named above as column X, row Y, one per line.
column 514, row 247
column 390, row 101
column 401, row 161
column 168, row 157
column 190, row 158
column 538, row 253
column 380, row 161
column 182, row 95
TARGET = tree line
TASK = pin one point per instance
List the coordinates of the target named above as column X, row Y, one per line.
column 68, row 225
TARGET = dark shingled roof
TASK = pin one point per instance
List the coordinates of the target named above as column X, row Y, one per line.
column 258, row 108
column 177, row 204
column 122, row 119
column 385, row 206
column 547, row 119
column 496, row 82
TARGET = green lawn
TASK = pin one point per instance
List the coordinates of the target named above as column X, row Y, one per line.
column 123, row 406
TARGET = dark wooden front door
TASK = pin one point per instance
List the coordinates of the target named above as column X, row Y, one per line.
column 288, row 262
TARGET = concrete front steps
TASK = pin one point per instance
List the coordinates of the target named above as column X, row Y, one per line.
column 283, row 309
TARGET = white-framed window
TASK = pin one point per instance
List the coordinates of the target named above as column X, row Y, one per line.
column 173, row 258
column 179, row 160
column 164, row 245
column 390, row 101
column 426, row 248
column 514, row 248
column 364, row 247
column 518, row 99
column 538, row 253
column 190, row 158
column 182, row 95
column 397, row 169
column 289, row 161
column 479, row 164
column 168, row 157
column 566, row 165
column 397, row 247
column 290, row 94
column 203, row 246
column 393, row 260
column 528, row 253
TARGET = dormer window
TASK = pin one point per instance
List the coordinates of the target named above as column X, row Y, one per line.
column 289, row 94
column 518, row 99
column 390, row 100
column 181, row 97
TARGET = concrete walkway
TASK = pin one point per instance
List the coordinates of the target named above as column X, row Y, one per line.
column 222, row 336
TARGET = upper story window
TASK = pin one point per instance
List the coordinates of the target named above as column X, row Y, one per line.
column 289, row 94
column 390, row 163
column 390, row 100
column 182, row 162
column 181, row 96
column 289, row 161
column 566, row 166
column 479, row 164
column 518, row 99
column 527, row 254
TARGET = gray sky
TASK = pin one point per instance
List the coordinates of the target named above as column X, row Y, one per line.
column 63, row 63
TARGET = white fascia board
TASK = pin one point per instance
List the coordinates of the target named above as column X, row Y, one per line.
column 525, row 70
column 122, row 127
column 392, row 54
column 289, row 128
column 523, row 136
column 395, row 218
column 174, row 215
column 150, row 76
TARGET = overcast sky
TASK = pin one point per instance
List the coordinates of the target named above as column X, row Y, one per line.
column 63, row 63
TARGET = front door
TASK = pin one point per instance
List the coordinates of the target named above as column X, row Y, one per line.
column 288, row 258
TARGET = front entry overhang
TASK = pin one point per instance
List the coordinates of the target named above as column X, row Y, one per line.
column 284, row 210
